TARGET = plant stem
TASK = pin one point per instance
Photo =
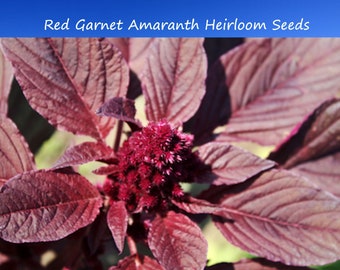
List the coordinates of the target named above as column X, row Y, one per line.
column 133, row 250
column 118, row 135
column 132, row 245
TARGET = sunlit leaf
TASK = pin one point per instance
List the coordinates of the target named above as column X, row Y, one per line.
column 6, row 77
column 281, row 217
column 275, row 83
column 120, row 108
column 324, row 172
column 41, row 206
column 230, row 164
column 15, row 156
column 174, row 81
column 312, row 150
column 318, row 135
column 83, row 153
column 177, row 242
column 215, row 108
column 66, row 80
column 117, row 219
column 134, row 50
column 196, row 206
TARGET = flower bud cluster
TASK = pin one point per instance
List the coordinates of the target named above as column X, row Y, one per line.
column 151, row 164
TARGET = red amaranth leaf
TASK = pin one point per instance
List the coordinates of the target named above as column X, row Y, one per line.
column 117, row 220
column 324, row 172
column 134, row 50
column 106, row 170
column 121, row 109
column 275, row 83
column 174, row 81
column 177, row 242
column 66, row 80
column 41, row 206
column 215, row 47
column 254, row 264
column 15, row 156
column 317, row 136
column 281, row 217
column 196, row 206
column 313, row 149
column 83, row 153
column 137, row 262
column 230, row 164
column 214, row 110
column 6, row 77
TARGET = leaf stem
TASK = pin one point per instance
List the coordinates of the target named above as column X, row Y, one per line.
column 132, row 245
column 118, row 135
column 133, row 250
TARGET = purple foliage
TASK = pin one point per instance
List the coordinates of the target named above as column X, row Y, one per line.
column 285, row 209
